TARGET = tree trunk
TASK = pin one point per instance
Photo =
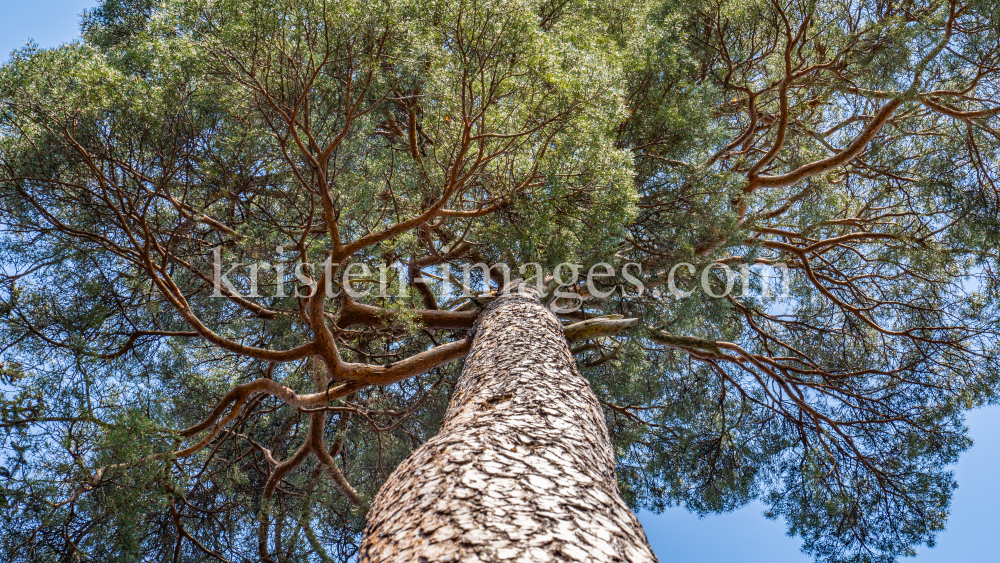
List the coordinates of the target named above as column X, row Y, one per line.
column 522, row 469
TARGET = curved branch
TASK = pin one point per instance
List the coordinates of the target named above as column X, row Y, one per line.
column 856, row 147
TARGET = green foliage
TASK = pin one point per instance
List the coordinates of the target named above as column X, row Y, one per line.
column 512, row 130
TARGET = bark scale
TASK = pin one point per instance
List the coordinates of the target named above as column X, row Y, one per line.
column 522, row 469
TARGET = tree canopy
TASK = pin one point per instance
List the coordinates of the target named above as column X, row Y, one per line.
column 150, row 413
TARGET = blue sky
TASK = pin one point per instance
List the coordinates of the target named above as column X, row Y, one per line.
column 744, row 536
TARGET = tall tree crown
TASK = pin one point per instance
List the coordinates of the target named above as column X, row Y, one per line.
column 850, row 143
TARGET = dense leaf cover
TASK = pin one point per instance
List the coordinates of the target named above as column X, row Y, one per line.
column 149, row 415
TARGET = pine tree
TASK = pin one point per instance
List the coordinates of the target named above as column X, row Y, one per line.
column 243, row 318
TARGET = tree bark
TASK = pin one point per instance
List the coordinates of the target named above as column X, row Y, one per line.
column 522, row 469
